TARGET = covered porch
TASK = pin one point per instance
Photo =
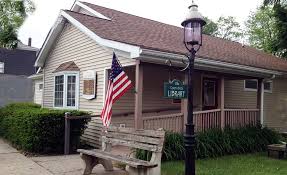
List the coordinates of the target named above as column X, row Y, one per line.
column 220, row 100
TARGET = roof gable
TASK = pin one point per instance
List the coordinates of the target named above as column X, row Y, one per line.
column 67, row 66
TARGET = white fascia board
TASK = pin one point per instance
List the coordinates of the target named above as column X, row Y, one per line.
column 134, row 51
column 97, row 14
column 36, row 76
column 207, row 64
column 52, row 36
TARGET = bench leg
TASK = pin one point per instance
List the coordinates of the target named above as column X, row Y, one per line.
column 107, row 164
column 137, row 171
column 90, row 163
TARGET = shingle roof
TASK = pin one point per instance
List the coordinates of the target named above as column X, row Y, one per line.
column 18, row 62
column 67, row 66
column 149, row 34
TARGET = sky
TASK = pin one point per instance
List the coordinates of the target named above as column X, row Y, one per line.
column 173, row 12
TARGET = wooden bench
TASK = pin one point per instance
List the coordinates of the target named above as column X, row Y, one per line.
column 277, row 151
column 150, row 140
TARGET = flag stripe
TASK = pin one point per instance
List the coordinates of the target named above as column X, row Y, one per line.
column 124, row 86
column 120, row 85
column 122, row 93
column 122, row 81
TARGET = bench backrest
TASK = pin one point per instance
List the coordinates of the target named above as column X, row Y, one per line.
column 151, row 140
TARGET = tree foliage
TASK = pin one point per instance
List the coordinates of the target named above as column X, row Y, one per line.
column 12, row 15
column 229, row 28
column 280, row 14
column 225, row 27
column 211, row 27
column 261, row 30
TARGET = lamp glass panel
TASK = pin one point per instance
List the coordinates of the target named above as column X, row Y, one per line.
column 193, row 33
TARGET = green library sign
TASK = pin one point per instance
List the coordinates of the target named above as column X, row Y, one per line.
column 175, row 90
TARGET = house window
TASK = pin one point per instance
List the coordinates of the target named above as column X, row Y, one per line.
column 1, row 67
column 59, row 91
column 251, row 85
column 71, row 91
column 40, row 87
column 209, row 92
column 66, row 91
column 268, row 86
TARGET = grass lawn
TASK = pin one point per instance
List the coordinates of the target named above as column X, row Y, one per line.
column 250, row 164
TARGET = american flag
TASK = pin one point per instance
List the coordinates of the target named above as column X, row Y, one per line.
column 118, row 85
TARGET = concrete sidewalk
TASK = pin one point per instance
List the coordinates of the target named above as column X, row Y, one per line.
column 14, row 163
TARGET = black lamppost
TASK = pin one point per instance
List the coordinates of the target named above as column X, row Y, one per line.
column 192, row 40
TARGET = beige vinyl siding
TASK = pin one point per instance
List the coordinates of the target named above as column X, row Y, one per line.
column 73, row 45
column 236, row 97
column 275, row 105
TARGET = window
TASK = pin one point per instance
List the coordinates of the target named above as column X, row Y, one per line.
column 251, row 85
column 71, row 91
column 209, row 93
column 268, row 86
column 59, row 91
column 66, row 90
column 40, row 87
column 1, row 67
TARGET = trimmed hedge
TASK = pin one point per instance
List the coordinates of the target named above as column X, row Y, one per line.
column 217, row 142
column 34, row 129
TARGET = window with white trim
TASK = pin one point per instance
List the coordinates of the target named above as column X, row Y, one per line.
column 66, row 90
column 1, row 67
column 251, row 85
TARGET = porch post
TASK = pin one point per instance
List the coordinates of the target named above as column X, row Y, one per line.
column 260, row 90
column 222, row 113
column 184, row 106
column 138, row 95
column 260, row 97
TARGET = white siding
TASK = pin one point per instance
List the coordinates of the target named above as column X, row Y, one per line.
column 73, row 45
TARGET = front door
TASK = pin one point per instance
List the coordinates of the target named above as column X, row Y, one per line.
column 209, row 93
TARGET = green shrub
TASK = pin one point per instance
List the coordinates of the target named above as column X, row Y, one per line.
column 36, row 129
column 217, row 142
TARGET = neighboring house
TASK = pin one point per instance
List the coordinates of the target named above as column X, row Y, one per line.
column 15, row 67
column 233, row 84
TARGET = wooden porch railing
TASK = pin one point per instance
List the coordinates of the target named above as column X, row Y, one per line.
column 204, row 120
column 241, row 117
column 172, row 122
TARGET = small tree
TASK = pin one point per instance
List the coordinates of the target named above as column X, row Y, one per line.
column 229, row 28
column 211, row 28
column 261, row 30
column 12, row 15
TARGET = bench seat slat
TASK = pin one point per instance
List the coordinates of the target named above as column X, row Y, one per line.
column 136, row 163
column 132, row 137
column 132, row 144
column 139, row 132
